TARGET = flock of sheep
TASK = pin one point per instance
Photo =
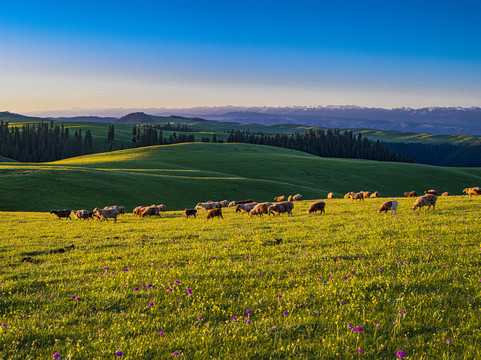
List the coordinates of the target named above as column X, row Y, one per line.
column 282, row 205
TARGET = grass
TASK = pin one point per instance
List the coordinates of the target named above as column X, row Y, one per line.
column 182, row 175
column 411, row 281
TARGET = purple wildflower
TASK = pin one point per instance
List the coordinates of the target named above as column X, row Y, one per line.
column 401, row 312
column 285, row 313
column 342, row 304
column 51, row 298
column 200, row 318
column 349, row 326
column 358, row 329
column 359, row 351
column 176, row 353
column 73, row 297
column 119, row 353
column 161, row 333
column 401, row 354
column 151, row 303
column 449, row 342
column 249, row 312
column 248, row 322
column 189, row 291
column 378, row 326
column 279, row 296
column 136, row 288
column 100, row 332
column 4, row 325
column 56, row 356
column 149, row 286
column 234, row 318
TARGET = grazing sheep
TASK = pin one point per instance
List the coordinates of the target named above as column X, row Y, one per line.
column 152, row 210
column 62, row 213
column 426, row 200
column 357, row 196
column 261, row 208
column 81, row 214
column 366, row 194
column 297, row 197
column 246, row 208
column 224, row 203
column 445, row 194
column 232, row 204
column 190, row 212
column 244, row 202
column 374, row 195
column 432, row 192
column 389, row 205
column 205, row 206
column 215, row 212
column 348, row 195
column 280, row 208
column 411, row 194
column 280, row 198
column 472, row 191
column 317, row 206
column 330, row 195
column 107, row 214
column 120, row 209
column 92, row 215
column 290, row 198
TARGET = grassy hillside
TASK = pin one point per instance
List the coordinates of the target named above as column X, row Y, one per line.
column 182, row 175
column 350, row 284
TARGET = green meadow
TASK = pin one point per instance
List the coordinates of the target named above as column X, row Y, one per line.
column 182, row 175
column 349, row 284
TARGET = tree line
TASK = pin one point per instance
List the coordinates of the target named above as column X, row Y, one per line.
column 147, row 136
column 42, row 142
column 330, row 143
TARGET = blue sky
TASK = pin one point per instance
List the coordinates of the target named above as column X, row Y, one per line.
column 103, row 54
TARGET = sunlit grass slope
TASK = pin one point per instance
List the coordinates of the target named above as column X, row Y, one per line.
column 182, row 175
column 350, row 284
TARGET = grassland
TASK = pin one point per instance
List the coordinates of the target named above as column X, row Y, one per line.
column 182, row 175
column 350, row 284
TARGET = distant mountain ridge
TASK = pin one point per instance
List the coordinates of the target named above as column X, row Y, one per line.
column 433, row 120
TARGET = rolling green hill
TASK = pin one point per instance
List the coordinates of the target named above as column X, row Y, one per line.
column 184, row 174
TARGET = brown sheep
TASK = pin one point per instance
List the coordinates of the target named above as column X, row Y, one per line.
column 280, row 208
column 374, row 195
column 389, row 205
column 244, row 201
column 297, row 197
column 366, row 194
column 357, row 196
column 411, row 194
column 290, row 198
column 472, row 191
column 81, row 214
column 120, row 209
column 245, row 207
column 190, row 212
column 330, row 195
column 426, row 200
column 215, row 212
column 348, row 195
column 152, row 210
column 232, row 204
column 445, row 194
column 107, row 213
column 206, row 206
column 62, row 213
column 138, row 210
column 280, row 198
column 261, row 208
column 432, row 192
column 318, row 206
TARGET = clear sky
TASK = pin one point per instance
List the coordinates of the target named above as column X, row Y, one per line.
column 155, row 53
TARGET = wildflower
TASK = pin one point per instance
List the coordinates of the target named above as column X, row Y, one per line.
column 342, row 304
column 378, row 326
column 401, row 354
column 358, row 329
column 279, row 296
column 189, row 291
column 73, row 297
column 151, row 303
column 56, row 356
column 285, row 313
column 359, row 351
column 401, row 312
column 395, row 323
column 249, row 312
column 161, row 333
column 100, row 332
column 136, row 288
column 4, row 325
column 234, row 318
column 176, row 353
column 449, row 342
column 349, row 326
column 248, row 322
column 50, row 298
column 149, row 286
column 38, row 292
column 200, row 318
column 119, row 353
